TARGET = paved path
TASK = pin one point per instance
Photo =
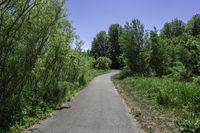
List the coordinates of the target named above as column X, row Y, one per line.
column 96, row 109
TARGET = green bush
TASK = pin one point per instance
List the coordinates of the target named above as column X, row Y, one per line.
column 102, row 63
column 179, row 72
column 162, row 98
column 189, row 123
column 82, row 80
column 196, row 80
column 125, row 73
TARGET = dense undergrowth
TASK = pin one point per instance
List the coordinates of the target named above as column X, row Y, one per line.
column 182, row 98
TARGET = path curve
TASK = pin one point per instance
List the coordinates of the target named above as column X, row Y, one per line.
column 96, row 109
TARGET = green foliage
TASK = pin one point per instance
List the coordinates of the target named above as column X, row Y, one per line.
column 173, row 29
column 181, row 96
column 189, row 123
column 158, row 58
column 179, row 72
column 193, row 26
column 114, row 50
column 25, row 39
column 100, row 45
column 38, row 68
column 187, row 51
column 162, row 98
column 82, row 80
column 78, row 43
column 102, row 63
column 179, row 93
column 108, row 45
column 125, row 72
column 158, row 54
column 132, row 40
column 196, row 80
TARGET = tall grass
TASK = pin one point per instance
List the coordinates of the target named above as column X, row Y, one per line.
column 184, row 97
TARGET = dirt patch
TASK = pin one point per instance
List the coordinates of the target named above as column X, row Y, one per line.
column 150, row 117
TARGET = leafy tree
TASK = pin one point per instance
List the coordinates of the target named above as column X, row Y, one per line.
column 193, row 26
column 132, row 43
column 35, row 53
column 114, row 49
column 188, row 53
column 78, row 43
column 100, row 45
column 158, row 59
column 173, row 29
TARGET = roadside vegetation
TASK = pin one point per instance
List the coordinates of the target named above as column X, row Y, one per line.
column 39, row 69
column 159, row 67
column 161, row 105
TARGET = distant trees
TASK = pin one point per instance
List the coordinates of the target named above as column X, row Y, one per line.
column 78, row 43
column 177, row 46
column 108, row 45
column 100, row 45
column 114, row 50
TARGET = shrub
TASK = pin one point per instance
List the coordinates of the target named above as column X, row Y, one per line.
column 189, row 123
column 196, row 80
column 125, row 73
column 82, row 80
column 179, row 72
column 162, row 98
column 102, row 63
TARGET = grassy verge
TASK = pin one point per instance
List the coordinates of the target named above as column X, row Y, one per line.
column 161, row 105
column 42, row 114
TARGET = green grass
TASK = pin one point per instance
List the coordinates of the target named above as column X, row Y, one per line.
column 182, row 97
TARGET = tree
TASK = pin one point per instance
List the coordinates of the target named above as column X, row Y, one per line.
column 157, row 58
column 34, row 43
column 114, row 49
column 132, row 43
column 173, row 29
column 78, row 43
column 193, row 25
column 100, row 45
column 188, row 53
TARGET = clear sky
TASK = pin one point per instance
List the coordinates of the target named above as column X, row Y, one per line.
column 89, row 17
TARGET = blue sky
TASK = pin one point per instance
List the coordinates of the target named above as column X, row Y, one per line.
column 89, row 17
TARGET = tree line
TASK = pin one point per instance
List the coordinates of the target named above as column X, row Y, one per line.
column 172, row 51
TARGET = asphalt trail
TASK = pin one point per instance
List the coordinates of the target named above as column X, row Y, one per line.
column 96, row 109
